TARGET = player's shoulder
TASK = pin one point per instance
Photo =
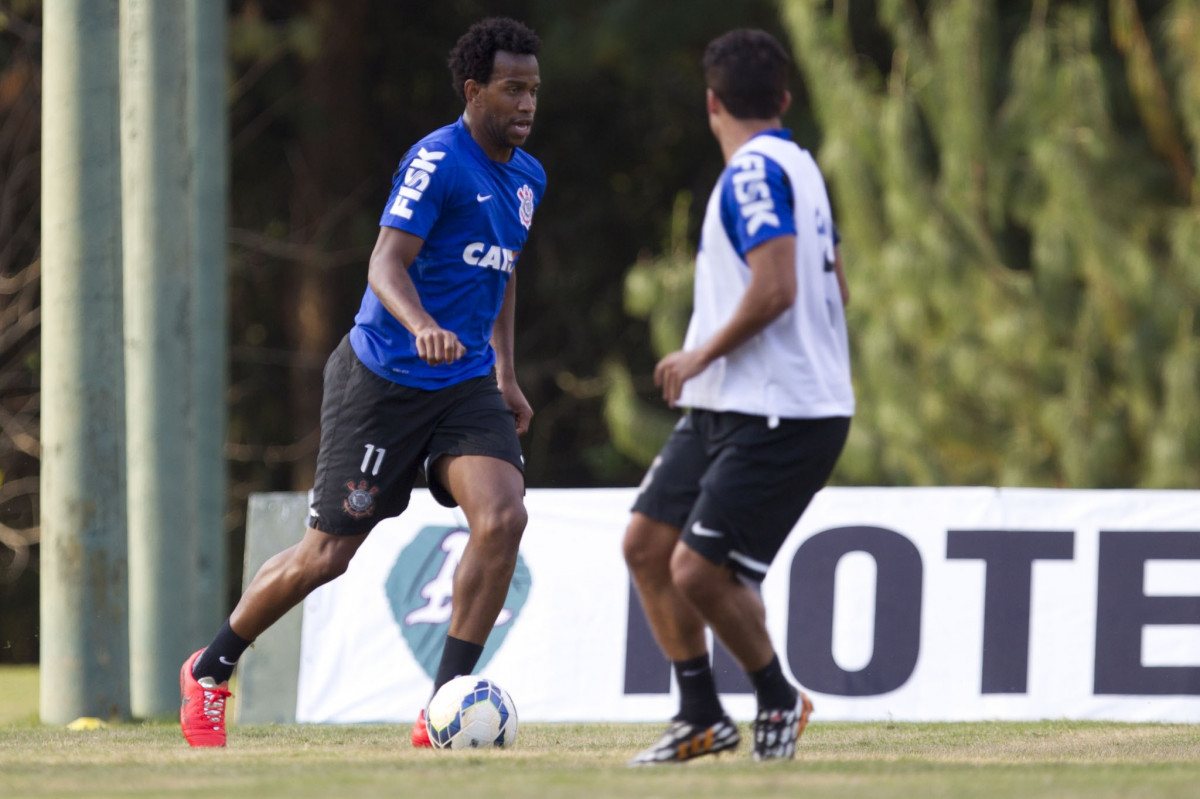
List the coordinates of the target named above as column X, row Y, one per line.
column 773, row 158
column 781, row 154
column 439, row 147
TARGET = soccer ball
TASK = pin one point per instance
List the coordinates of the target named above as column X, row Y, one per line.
column 471, row 712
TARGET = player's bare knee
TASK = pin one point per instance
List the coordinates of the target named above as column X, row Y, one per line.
column 500, row 528
column 511, row 521
column 645, row 555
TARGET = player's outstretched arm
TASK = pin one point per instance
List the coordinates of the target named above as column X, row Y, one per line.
column 388, row 277
column 506, row 372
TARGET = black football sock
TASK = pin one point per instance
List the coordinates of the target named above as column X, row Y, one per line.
column 772, row 688
column 219, row 658
column 458, row 657
column 698, row 702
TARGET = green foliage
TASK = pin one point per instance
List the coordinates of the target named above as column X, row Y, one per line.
column 1020, row 236
column 638, row 428
column 659, row 292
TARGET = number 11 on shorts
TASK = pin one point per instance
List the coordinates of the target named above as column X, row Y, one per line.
column 366, row 462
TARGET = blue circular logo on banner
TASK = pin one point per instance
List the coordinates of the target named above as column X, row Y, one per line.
column 420, row 591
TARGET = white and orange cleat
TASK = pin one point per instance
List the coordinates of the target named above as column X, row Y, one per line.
column 685, row 741
column 777, row 731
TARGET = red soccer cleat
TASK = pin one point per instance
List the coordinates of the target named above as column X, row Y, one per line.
column 202, row 712
column 420, row 733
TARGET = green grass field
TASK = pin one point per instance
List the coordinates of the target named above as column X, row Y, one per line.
column 990, row 759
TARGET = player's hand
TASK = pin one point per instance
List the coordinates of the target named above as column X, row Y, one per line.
column 514, row 398
column 437, row 346
column 676, row 369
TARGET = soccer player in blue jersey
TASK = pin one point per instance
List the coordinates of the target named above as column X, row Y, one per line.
column 425, row 379
column 765, row 372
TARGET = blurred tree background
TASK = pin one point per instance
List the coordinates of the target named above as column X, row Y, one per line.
column 1015, row 182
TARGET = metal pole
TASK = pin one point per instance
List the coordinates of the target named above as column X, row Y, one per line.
column 159, row 327
column 84, row 589
column 208, row 125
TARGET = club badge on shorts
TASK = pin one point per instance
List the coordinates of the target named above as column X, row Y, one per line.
column 360, row 502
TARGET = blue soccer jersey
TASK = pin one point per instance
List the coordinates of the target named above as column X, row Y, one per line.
column 474, row 215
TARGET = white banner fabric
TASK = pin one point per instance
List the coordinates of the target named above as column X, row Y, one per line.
column 928, row 604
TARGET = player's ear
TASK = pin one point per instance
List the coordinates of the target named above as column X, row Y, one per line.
column 787, row 102
column 711, row 103
column 472, row 89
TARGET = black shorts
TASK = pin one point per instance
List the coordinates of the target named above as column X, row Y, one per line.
column 377, row 435
column 735, row 486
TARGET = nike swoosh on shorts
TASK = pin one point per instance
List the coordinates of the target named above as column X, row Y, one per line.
column 705, row 532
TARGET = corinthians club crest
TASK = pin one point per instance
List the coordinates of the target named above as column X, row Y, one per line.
column 525, row 195
column 360, row 502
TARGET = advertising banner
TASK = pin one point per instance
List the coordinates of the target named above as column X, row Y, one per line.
column 915, row 604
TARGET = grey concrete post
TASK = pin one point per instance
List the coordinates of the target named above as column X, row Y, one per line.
column 84, row 590
column 208, row 125
column 159, row 329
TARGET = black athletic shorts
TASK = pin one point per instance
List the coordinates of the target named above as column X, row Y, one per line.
column 736, row 486
column 377, row 435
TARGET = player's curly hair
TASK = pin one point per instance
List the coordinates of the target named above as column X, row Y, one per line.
column 747, row 70
column 475, row 53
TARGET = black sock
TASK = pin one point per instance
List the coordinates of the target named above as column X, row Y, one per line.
column 458, row 657
column 698, row 702
column 772, row 688
column 219, row 658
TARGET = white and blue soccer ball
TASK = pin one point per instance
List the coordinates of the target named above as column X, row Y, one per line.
column 470, row 712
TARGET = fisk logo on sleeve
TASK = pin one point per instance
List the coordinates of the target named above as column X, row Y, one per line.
column 752, row 193
column 416, row 181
